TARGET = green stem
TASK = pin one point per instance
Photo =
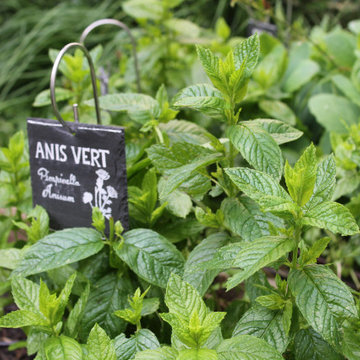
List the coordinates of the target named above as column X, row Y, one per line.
column 297, row 236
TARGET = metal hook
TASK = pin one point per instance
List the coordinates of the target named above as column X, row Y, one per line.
column 121, row 25
column 53, row 79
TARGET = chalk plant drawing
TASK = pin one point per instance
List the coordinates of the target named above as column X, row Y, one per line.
column 102, row 195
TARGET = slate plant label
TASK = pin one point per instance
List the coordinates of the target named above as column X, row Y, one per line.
column 71, row 174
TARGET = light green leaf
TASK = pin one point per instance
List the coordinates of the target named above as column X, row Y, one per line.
column 309, row 345
column 164, row 353
column 107, row 295
column 138, row 9
column 211, row 65
column 185, row 131
column 325, row 182
column 333, row 112
column 178, row 203
column 182, row 299
column 99, row 345
column 265, row 324
column 281, row 132
column 332, row 216
column 22, row 318
column 205, row 251
column 60, row 248
column 150, row 256
column 300, row 180
column 301, row 75
column 256, row 254
column 197, row 354
column 183, row 28
column 322, row 299
column 43, row 99
column 278, row 110
column 150, row 306
column 184, row 172
column 347, row 87
column 262, row 188
column 10, row 258
column 247, row 52
column 127, row 348
column 201, row 97
column 258, row 148
column 73, row 321
column 63, row 348
column 26, row 294
column 246, row 347
column 141, row 108
column 310, row 256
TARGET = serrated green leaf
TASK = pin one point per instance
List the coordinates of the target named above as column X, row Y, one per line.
column 141, row 108
column 211, row 65
column 310, row 256
column 325, row 182
column 164, row 353
column 256, row 254
column 108, row 294
column 201, row 97
column 300, row 180
column 272, row 301
column 62, row 348
column 73, row 321
column 205, row 251
column 281, row 132
column 258, row 148
column 309, row 345
column 262, row 188
column 25, row 293
column 99, row 345
column 150, row 256
column 127, row 348
column 323, row 299
column 246, row 347
column 278, row 110
column 351, row 340
column 10, row 258
column 265, row 324
column 22, row 318
column 185, row 131
column 60, row 248
column 197, row 354
column 332, row 216
column 178, row 203
column 182, row 299
column 247, row 52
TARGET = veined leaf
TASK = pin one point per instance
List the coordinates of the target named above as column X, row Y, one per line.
column 333, row 216
column 182, row 299
column 127, row 348
column 10, row 258
column 197, row 354
column 281, row 132
column 258, row 148
column 300, row 180
column 108, row 294
column 247, row 52
column 185, row 131
column 150, row 256
column 201, row 97
column 22, row 318
column 99, row 345
column 202, row 279
column 246, row 347
column 26, row 294
column 262, row 188
column 309, row 345
column 325, row 182
column 322, row 299
column 63, row 348
column 60, row 248
column 265, row 324
column 257, row 254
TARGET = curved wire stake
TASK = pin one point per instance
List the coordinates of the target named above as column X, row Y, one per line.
column 53, row 80
column 121, row 25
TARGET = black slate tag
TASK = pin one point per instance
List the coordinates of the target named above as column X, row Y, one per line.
column 71, row 174
column 255, row 26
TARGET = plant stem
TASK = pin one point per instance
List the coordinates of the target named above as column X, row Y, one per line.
column 297, row 236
